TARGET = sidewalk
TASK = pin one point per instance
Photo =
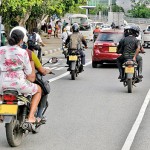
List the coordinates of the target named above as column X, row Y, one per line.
column 51, row 45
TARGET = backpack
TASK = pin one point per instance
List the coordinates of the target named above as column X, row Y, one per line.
column 75, row 42
column 31, row 40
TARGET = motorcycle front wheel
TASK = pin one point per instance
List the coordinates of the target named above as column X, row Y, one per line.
column 14, row 133
column 129, row 85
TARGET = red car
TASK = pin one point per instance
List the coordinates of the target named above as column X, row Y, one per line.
column 105, row 46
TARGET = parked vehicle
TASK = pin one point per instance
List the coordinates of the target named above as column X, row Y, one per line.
column 105, row 47
column 130, row 74
column 14, row 108
column 3, row 36
column 146, row 37
column 74, row 61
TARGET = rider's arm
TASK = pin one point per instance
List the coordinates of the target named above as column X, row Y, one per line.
column 84, row 41
column 137, row 51
column 39, row 39
column 38, row 65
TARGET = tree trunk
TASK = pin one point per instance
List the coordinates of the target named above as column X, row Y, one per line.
column 42, row 20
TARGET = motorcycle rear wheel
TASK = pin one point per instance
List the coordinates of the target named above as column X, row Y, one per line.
column 129, row 83
column 14, row 133
column 73, row 75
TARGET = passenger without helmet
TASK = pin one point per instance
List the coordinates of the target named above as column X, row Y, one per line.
column 36, row 64
column 16, row 71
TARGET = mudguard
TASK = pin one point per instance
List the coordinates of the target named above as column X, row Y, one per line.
column 73, row 65
column 7, row 119
column 129, row 75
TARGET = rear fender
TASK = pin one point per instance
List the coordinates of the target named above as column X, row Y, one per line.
column 8, row 119
column 73, row 65
column 129, row 75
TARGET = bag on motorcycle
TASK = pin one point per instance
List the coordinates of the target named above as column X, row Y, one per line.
column 75, row 42
column 31, row 40
column 44, row 84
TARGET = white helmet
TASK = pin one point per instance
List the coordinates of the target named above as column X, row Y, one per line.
column 67, row 28
column 25, row 39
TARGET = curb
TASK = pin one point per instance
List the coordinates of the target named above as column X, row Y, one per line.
column 46, row 52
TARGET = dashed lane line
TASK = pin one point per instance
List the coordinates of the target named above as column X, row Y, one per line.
column 65, row 74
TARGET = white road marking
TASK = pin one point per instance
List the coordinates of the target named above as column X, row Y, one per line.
column 53, row 68
column 64, row 74
column 55, row 64
column 131, row 135
column 60, row 68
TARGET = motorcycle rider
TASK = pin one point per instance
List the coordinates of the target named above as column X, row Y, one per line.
column 38, row 40
column 96, row 32
column 16, row 71
column 38, row 66
column 74, row 42
column 129, row 47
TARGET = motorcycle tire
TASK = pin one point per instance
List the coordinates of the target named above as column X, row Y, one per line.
column 14, row 133
column 129, row 85
column 73, row 75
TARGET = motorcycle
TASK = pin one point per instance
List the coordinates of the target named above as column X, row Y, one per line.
column 14, row 109
column 130, row 74
column 74, row 61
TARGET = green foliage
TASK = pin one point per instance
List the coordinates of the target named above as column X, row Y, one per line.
column 140, row 11
column 116, row 8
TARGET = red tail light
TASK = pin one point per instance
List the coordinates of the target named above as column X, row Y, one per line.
column 8, row 97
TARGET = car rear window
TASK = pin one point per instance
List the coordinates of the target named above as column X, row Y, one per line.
column 110, row 37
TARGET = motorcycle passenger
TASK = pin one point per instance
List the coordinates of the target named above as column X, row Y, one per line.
column 16, row 71
column 74, row 42
column 38, row 66
column 129, row 47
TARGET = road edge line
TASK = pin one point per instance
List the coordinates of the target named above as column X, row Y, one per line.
column 135, row 127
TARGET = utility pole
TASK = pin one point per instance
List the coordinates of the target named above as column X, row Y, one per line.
column 110, row 5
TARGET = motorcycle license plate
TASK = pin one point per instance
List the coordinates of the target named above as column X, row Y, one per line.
column 129, row 69
column 112, row 49
column 8, row 109
column 72, row 58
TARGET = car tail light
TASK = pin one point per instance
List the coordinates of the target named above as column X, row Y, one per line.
column 9, row 97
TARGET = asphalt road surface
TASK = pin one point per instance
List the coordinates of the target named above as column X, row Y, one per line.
column 94, row 112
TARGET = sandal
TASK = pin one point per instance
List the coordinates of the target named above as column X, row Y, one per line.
column 35, row 122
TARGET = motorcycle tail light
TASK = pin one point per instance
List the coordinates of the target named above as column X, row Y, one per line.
column 9, row 97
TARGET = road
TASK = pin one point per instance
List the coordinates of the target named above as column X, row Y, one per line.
column 94, row 112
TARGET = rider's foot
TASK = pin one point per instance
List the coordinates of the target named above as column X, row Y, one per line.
column 119, row 77
column 68, row 69
column 140, row 76
column 122, row 79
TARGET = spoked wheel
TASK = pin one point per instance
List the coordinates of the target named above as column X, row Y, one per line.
column 14, row 133
column 130, row 86
column 73, row 75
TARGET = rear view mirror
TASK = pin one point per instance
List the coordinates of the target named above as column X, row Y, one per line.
column 53, row 60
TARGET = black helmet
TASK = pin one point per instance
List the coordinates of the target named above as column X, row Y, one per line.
column 75, row 27
column 132, row 30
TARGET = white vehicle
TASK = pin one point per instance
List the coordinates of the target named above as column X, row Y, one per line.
column 85, row 27
column 146, row 37
column 79, row 18
column 106, row 27
column 87, row 32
